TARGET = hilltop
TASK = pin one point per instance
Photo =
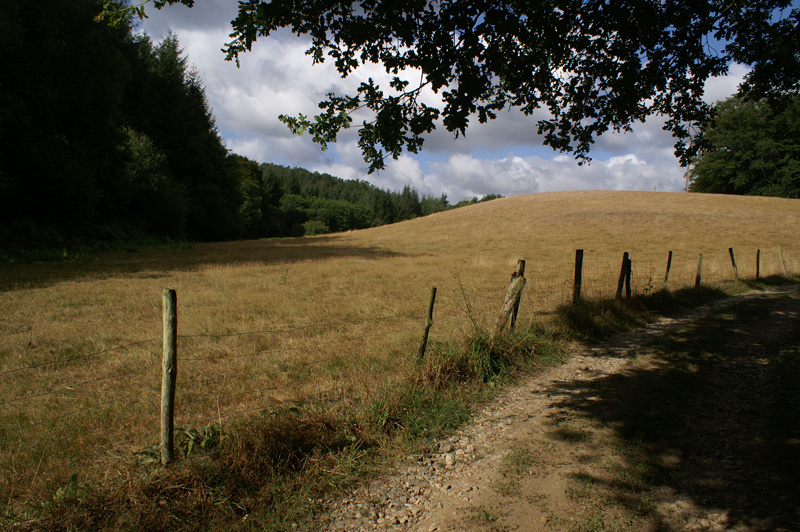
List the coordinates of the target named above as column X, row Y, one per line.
column 270, row 329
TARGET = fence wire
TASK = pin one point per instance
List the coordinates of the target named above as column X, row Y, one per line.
column 222, row 376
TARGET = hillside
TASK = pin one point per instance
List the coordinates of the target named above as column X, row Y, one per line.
column 481, row 243
column 265, row 323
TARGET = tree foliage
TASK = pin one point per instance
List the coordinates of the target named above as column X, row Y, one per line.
column 753, row 147
column 106, row 135
column 589, row 65
column 103, row 134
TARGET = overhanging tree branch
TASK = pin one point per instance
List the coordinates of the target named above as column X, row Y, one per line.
column 594, row 65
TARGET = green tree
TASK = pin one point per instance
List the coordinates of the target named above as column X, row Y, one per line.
column 146, row 194
column 431, row 204
column 383, row 208
column 166, row 101
column 753, row 148
column 251, row 188
column 105, row 135
column 593, row 65
column 407, row 204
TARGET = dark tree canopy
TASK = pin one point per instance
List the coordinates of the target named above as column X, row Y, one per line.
column 107, row 139
column 594, row 65
column 752, row 148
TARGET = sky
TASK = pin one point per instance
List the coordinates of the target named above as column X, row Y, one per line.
column 504, row 156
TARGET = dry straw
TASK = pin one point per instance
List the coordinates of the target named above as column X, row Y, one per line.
column 274, row 321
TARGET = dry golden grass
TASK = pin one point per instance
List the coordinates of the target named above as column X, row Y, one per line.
column 271, row 321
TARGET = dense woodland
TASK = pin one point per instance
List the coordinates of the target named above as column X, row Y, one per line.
column 752, row 148
column 107, row 137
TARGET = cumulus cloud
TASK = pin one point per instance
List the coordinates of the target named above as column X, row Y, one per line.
column 463, row 176
column 723, row 87
column 504, row 156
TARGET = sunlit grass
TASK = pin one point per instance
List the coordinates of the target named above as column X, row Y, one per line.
column 270, row 323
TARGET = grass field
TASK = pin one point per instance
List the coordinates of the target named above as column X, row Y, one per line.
column 273, row 322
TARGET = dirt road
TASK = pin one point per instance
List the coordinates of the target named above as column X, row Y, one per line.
column 690, row 424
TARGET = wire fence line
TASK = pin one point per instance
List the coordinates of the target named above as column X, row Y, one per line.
column 83, row 357
column 40, row 415
column 31, row 418
column 95, row 406
column 75, row 385
column 277, row 331
column 287, row 330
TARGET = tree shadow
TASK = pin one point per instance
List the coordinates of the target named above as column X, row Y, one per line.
column 712, row 416
column 160, row 261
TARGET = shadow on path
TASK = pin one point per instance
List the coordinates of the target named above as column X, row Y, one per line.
column 711, row 415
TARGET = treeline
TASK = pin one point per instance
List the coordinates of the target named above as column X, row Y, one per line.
column 282, row 201
column 107, row 136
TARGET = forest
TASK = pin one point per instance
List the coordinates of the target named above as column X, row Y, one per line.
column 107, row 138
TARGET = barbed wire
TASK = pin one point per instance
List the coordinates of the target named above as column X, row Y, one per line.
column 83, row 357
column 77, row 384
column 298, row 328
column 286, row 348
column 555, row 277
column 19, row 428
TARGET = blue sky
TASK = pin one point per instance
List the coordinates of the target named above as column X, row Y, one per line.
column 504, row 156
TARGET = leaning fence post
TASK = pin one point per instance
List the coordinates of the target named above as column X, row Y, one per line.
column 170, row 367
column 423, row 344
column 758, row 264
column 513, row 294
column 622, row 274
column 733, row 262
column 519, row 273
column 576, row 286
column 669, row 265
column 699, row 275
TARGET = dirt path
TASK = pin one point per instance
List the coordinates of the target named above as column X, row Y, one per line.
column 689, row 424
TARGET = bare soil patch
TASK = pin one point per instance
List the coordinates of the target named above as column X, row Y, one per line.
column 692, row 423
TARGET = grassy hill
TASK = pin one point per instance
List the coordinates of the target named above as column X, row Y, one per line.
column 273, row 322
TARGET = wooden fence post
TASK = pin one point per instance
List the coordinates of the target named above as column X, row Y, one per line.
column 669, row 266
column 519, row 273
column 622, row 275
column 758, row 264
column 576, row 285
column 698, row 277
column 170, row 372
column 513, row 294
column 628, row 275
column 733, row 262
column 783, row 262
column 423, row 344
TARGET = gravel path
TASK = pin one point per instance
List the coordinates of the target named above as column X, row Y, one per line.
column 514, row 467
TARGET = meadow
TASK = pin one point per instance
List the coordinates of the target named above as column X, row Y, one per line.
column 275, row 322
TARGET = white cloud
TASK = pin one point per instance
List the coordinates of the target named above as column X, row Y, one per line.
column 504, row 156
column 722, row 87
column 463, row 175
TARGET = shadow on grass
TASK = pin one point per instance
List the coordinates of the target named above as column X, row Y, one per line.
column 595, row 320
column 712, row 417
column 162, row 260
